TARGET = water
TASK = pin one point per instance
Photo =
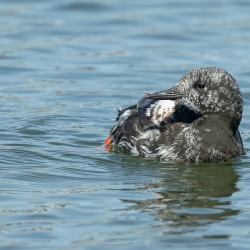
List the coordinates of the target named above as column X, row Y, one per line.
column 64, row 65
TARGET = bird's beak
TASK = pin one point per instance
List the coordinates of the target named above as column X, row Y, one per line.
column 170, row 94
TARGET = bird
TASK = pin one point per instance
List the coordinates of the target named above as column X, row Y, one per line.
column 197, row 120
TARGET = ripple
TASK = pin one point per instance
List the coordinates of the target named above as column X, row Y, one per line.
column 86, row 6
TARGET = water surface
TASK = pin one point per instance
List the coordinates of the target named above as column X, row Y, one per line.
column 64, row 65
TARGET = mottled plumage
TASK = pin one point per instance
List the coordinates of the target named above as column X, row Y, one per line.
column 195, row 121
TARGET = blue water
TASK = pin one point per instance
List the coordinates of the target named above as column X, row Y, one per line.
column 64, row 65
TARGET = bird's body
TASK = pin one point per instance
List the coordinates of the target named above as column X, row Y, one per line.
column 195, row 121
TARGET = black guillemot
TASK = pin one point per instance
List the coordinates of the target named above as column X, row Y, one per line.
column 197, row 120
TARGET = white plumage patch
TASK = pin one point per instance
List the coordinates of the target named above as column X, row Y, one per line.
column 160, row 111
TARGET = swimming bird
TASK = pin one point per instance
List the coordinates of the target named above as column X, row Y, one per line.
column 197, row 120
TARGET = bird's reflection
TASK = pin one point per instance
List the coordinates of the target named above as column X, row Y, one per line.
column 191, row 194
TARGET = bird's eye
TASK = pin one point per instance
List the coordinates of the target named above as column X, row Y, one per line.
column 201, row 85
